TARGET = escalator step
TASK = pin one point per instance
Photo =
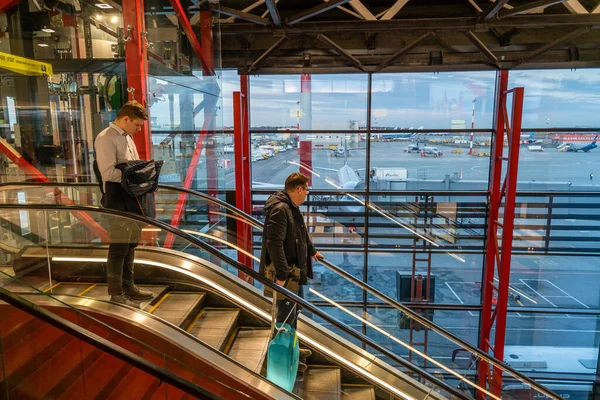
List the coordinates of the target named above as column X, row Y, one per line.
column 25, row 284
column 322, row 384
column 68, row 288
column 214, row 326
column 175, row 307
column 250, row 347
column 358, row 393
column 100, row 292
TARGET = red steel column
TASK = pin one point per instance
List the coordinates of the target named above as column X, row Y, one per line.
column 136, row 63
column 206, row 57
column 306, row 124
column 502, row 193
column 487, row 316
column 242, row 171
column 206, row 41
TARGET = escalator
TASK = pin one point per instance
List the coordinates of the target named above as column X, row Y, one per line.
column 200, row 299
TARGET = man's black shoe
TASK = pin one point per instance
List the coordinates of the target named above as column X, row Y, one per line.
column 302, row 367
column 120, row 299
column 305, row 353
column 134, row 293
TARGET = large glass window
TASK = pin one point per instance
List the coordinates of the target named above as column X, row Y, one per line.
column 307, row 102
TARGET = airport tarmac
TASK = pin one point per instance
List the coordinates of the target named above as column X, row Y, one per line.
column 546, row 166
column 548, row 281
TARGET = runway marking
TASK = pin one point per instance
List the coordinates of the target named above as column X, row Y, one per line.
column 566, row 293
column 536, row 292
column 452, row 290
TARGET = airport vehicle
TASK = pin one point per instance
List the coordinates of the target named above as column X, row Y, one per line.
column 585, row 148
column 389, row 174
column 431, row 151
column 412, row 148
column 339, row 152
column 563, row 147
column 535, row 148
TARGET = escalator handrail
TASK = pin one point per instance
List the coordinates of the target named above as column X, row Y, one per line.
column 105, row 345
column 420, row 319
column 242, row 268
column 252, row 221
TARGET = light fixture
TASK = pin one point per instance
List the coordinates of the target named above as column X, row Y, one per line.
column 114, row 19
column 42, row 45
column 102, row 5
column 48, row 30
column 99, row 17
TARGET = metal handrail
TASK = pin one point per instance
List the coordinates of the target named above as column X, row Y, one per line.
column 242, row 268
column 106, row 345
column 249, row 218
column 420, row 319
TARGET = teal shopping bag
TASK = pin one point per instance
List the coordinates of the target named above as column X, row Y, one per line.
column 283, row 355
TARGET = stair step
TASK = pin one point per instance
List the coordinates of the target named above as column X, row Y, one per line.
column 322, row 384
column 175, row 307
column 15, row 325
column 250, row 347
column 135, row 385
column 26, row 357
column 97, row 376
column 50, row 372
column 100, row 292
column 214, row 326
column 358, row 393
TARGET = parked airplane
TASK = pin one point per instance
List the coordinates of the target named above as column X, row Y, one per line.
column 529, row 139
column 585, row 148
column 400, row 136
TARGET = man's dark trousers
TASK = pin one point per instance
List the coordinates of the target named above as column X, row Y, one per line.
column 286, row 311
column 125, row 235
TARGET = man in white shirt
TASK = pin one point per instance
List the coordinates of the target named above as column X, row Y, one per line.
column 113, row 146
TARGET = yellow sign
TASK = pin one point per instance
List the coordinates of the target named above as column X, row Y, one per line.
column 295, row 112
column 25, row 66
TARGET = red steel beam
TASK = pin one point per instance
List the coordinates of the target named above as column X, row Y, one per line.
column 6, row 5
column 34, row 174
column 136, row 64
column 207, row 62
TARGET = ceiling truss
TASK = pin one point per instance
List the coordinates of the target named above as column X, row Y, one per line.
column 323, row 36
